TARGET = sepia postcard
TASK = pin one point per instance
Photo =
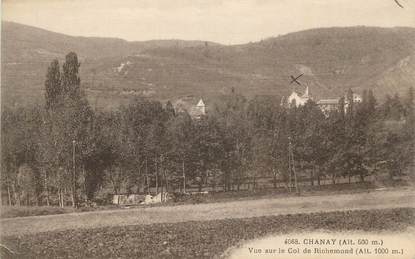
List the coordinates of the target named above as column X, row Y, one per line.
column 207, row 129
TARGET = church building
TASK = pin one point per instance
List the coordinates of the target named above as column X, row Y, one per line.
column 299, row 99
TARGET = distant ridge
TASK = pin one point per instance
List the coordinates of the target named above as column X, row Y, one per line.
column 332, row 59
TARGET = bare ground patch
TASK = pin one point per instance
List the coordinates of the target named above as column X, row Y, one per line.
column 195, row 239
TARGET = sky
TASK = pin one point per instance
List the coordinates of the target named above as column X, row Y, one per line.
column 223, row 21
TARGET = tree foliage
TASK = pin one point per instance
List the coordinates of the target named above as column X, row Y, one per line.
column 65, row 150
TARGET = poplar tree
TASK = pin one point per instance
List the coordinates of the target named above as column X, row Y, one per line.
column 53, row 86
column 71, row 82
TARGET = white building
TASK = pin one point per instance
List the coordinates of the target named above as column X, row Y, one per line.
column 201, row 107
column 328, row 105
column 299, row 99
column 356, row 98
column 199, row 110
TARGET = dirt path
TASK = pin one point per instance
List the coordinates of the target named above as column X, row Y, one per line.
column 236, row 209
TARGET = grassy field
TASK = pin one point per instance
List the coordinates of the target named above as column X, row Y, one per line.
column 380, row 199
column 194, row 239
column 26, row 211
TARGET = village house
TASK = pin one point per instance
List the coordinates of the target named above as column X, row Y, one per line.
column 196, row 109
column 199, row 110
column 328, row 105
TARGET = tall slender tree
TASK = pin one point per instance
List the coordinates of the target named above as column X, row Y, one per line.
column 71, row 82
column 53, row 86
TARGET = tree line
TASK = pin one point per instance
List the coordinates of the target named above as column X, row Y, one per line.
column 62, row 151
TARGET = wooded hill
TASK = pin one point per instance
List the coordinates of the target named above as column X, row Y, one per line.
column 114, row 71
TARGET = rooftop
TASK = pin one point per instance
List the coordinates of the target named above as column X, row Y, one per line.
column 329, row 101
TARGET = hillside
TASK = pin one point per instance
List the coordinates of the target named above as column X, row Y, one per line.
column 114, row 70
